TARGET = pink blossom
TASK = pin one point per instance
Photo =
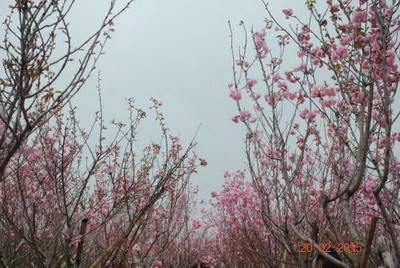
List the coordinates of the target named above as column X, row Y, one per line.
column 340, row 53
column 328, row 103
column 300, row 97
column 345, row 40
column 288, row 12
column 315, row 93
column 251, row 82
column 282, row 85
column 236, row 95
column 307, row 114
column 244, row 115
column 214, row 194
column 370, row 184
column 359, row 17
column 305, row 29
column 260, row 42
column 276, row 77
column 236, row 118
column 301, row 53
column 291, row 95
column 196, row 224
column 303, row 114
column 329, row 91
column 276, row 61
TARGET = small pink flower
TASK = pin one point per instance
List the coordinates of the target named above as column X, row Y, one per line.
column 370, row 185
column 305, row 29
column 235, row 95
column 89, row 213
column 282, row 85
column 276, row 77
column 311, row 115
column 345, row 40
column 329, row 91
column 288, row 12
column 315, row 93
column 291, row 95
column 328, row 103
column 251, row 82
column 303, row 114
column 196, row 224
column 236, row 118
column 260, row 42
column 359, row 17
column 276, row 61
column 244, row 115
column 307, row 114
column 340, row 53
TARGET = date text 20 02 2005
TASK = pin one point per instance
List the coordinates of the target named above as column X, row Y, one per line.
column 307, row 247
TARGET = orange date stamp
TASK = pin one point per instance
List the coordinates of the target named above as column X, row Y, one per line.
column 351, row 247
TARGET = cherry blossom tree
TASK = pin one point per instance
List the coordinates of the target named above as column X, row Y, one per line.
column 322, row 140
column 67, row 200
column 38, row 53
column 65, row 203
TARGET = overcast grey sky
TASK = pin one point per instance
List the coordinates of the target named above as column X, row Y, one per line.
column 179, row 52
